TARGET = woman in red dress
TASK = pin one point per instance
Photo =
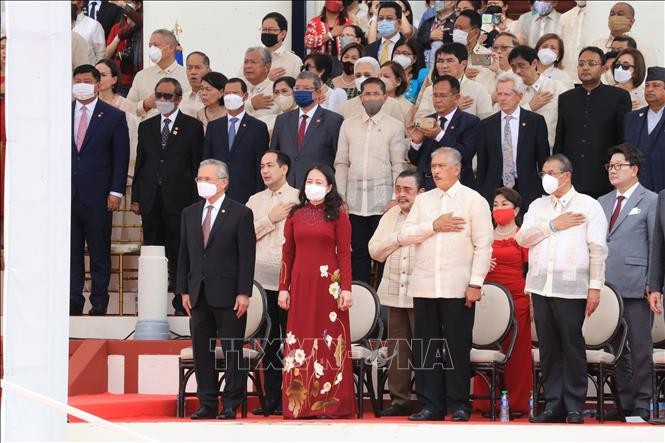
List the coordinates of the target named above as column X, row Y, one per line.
column 315, row 287
column 323, row 31
column 507, row 269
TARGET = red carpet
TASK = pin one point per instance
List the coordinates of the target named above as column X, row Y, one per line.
column 162, row 408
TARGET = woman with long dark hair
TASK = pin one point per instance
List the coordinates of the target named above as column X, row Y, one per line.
column 315, row 287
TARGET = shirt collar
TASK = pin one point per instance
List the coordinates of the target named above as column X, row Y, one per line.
column 566, row 198
column 171, row 117
column 90, row 106
column 450, row 115
column 656, row 114
column 279, row 51
column 239, row 117
column 281, row 191
column 395, row 38
column 376, row 118
column 169, row 69
column 515, row 114
column 538, row 83
column 629, row 191
column 260, row 86
column 452, row 191
column 310, row 113
column 217, row 204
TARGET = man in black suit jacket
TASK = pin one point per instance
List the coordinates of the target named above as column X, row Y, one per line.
column 107, row 14
column 250, row 140
column 453, row 128
column 591, row 122
column 169, row 151
column 100, row 156
column 511, row 156
column 215, row 278
column 311, row 142
column 389, row 12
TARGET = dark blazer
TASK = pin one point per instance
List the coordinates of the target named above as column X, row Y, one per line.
column 460, row 134
column 174, row 168
column 107, row 15
column 589, row 124
column 532, row 151
column 372, row 50
column 657, row 261
column 424, row 31
column 244, row 157
column 652, row 146
column 226, row 264
column 318, row 146
column 101, row 166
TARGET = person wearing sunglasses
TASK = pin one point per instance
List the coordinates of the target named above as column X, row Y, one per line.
column 629, row 72
column 170, row 148
column 590, row 121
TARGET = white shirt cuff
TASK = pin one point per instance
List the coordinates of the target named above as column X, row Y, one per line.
column 416, row 146
column 117, row 194
column 439, row 136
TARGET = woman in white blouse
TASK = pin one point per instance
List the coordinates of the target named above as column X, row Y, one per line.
column 212, row 97
column 321, row 65
column 550, row 55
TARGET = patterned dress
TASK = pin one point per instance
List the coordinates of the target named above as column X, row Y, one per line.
column 316, row 267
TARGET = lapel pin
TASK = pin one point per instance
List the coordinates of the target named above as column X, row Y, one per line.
column 318, row 120
column 452, row 127
column 523, row 124
column 641, row 114
column 244, row 125
column 100, row 114
column 223, row 211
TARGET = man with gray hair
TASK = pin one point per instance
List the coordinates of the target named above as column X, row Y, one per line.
column 451, row 227
column 161, row 51
column 308, row 135
column 511, row 144
column 255, row 70
column 215, row 278
column 566, row 236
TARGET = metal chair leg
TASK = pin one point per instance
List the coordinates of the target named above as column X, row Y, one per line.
column 120, row 284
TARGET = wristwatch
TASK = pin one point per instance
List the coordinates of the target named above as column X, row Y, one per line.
column 551, row 225
column 474, row 286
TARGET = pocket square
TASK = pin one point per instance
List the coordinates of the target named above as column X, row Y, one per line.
column 634, row 211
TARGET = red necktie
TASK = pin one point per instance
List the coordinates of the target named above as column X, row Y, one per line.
column 301, row 131
column 617, row 209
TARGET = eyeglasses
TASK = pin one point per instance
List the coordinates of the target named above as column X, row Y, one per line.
column 541, row 174
column 616, row 166
column 306, row 67
column 408, row 54
column 589, row 63
column 164, row 95
column 435, row 95
column 296, row 89
column 373, row 94
column 502, row 47
column 624, row 66
column 207, row 179
column 270, row 30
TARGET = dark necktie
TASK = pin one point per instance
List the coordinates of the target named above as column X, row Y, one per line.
column 232, row 132
column 616, row 212
column 93, row 11
column 301, row 131
column 442, row 123
column 206, row 225
column 165, row 132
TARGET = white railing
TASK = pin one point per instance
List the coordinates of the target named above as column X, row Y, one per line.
column 93, row 419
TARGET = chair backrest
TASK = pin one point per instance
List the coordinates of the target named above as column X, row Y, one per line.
column 365, row 311
column 493, row 316
column 601, row 327
column 658, row 331
column 257, row 310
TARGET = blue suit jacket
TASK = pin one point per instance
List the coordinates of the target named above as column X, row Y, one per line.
column 243, row 158
column 461, row 135
column 101, row 165
column 652, row 146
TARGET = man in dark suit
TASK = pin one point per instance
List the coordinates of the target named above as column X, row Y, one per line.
column 239, row 140
column 512, row 145
column 169, row 151
column 453, row 128
column 645, row 129
column 100, row 156
column 215, row 278
column 308, row 135
column 590, row 122
column 106, row 13
column 657, row 260
column 389, row 19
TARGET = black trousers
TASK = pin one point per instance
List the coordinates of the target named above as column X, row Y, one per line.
column 162, row 228
column 207, row 325
column 562, row 351
column 272, row 362
column 441, row 352
column 91, row 225
column 362, row 230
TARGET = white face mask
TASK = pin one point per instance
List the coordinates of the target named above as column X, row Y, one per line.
column 315, row 192
column 154, row 54
column 550, row 183
column 547, row 56
column 404, row 60
column 83, row 91
column 164, row 108
column 359, row 81
column 233, row 102
column 621, row 75
column 284, row 102
column 460, row 36
column 206, row 189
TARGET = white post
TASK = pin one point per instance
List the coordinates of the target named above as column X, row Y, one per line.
column 37, row 213
column 152, row 295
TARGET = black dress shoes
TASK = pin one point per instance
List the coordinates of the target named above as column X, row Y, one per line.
column 642, row 413
column 426, row 415
column 548, row 416
column 204, row 413
column 396, row 410
column 460, row 415
column 575, row 418
column 97, row 310
column 269, row 408
column 75, row 311
column 228, row 413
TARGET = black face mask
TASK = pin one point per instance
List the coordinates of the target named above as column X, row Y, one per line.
column 348, row 68
column 268, row 39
